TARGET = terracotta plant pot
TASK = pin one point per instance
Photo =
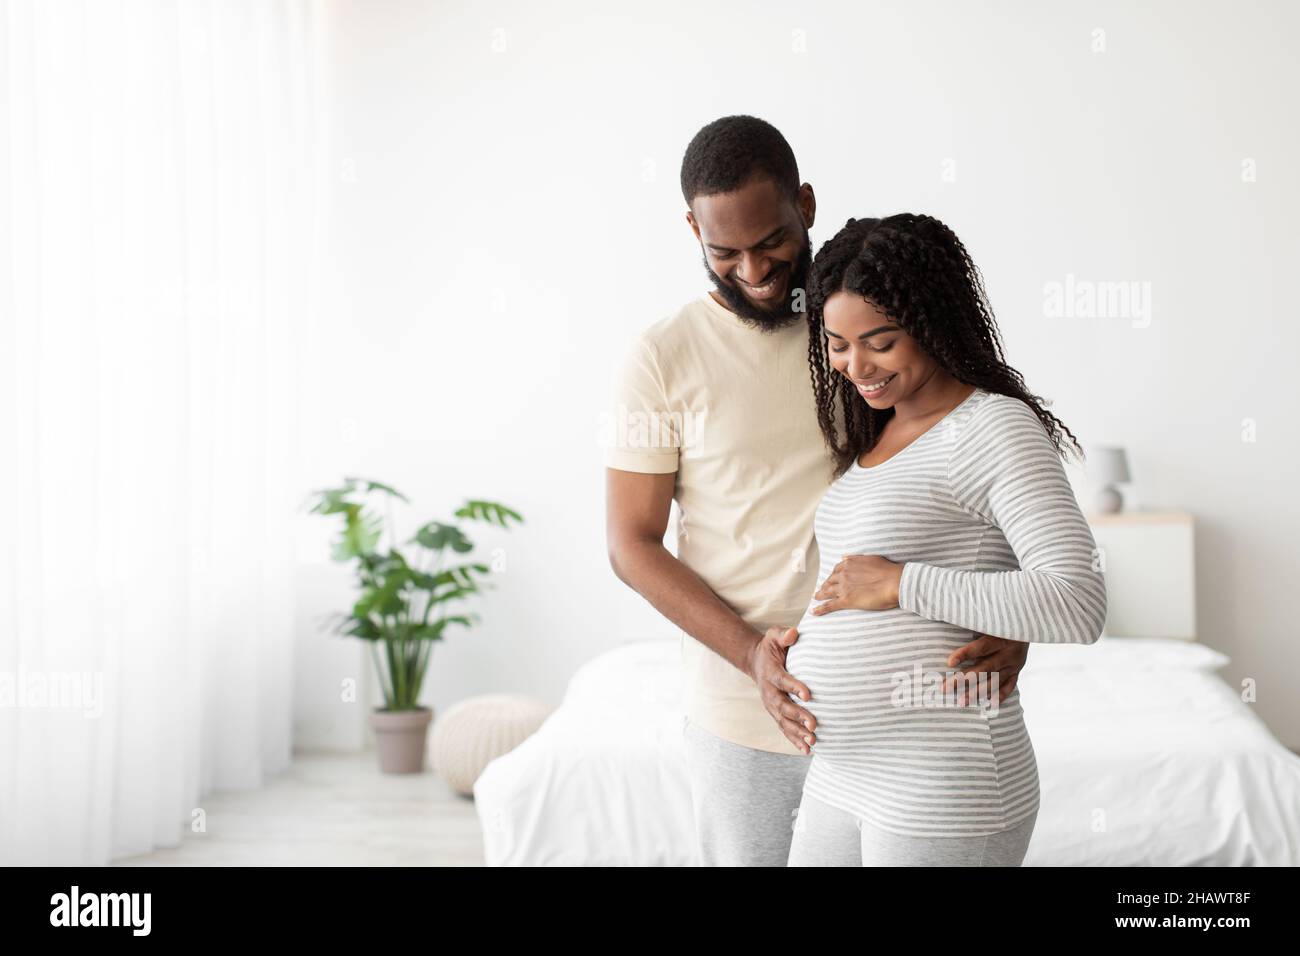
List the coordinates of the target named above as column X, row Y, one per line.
column 400, row 736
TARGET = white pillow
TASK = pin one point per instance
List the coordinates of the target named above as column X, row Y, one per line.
column 633, row 675
column 1127, row 653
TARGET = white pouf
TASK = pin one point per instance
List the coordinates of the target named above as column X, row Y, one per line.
column 474, row 732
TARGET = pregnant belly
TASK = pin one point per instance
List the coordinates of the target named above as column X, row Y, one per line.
column 875, row 677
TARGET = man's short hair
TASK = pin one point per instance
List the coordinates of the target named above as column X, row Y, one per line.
column 724, row 155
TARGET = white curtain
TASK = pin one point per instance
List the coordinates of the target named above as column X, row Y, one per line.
column 156, row 243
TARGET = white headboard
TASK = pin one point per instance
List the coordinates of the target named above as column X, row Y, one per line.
column 1149, row 562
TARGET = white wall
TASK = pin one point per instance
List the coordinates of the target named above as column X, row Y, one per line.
column 504, row 215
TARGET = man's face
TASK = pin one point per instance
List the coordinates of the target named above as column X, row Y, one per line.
column 756, row 249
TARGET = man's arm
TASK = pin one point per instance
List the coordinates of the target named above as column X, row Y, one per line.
column 637, row 507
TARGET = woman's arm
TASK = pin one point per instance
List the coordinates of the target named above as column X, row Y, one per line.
column 1005, row 469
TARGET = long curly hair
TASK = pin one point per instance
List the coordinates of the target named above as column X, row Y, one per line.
column 915, row 270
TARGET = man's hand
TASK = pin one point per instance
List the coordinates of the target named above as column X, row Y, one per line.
column 988, row 654
column 867, row 582
column 767, row 668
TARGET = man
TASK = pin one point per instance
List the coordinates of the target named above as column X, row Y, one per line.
column 719, row 399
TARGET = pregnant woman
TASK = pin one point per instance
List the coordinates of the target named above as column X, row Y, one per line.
column 954, row 507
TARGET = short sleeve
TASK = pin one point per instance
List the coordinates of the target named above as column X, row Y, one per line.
column 640, row 431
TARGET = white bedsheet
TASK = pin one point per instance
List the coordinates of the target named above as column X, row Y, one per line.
column 1146, row 758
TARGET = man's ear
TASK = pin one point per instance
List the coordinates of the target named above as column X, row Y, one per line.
column 695, row 227
column 807, row 205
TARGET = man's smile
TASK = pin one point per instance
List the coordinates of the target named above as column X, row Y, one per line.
column 770, row 289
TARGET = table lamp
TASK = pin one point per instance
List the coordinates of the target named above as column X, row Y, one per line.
column 1108, row 467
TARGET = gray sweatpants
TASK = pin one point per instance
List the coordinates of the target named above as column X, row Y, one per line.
column 827, row 836
column 745, row 800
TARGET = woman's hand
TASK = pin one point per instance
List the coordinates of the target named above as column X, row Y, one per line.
column 867, row 582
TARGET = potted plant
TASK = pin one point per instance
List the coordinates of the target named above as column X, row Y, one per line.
column 404, row 603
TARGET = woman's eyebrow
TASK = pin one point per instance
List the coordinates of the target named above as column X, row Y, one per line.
column 867, row 335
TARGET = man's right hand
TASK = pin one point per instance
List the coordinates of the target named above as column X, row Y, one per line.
column 775, row 685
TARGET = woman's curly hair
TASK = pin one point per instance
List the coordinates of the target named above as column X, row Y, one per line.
column 915, row 270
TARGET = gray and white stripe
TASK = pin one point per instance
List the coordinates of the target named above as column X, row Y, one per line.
column 980, row 509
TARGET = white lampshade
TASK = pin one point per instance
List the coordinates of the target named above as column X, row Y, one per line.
column 1107, row 465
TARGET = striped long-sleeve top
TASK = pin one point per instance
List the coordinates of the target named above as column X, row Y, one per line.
column 980, row 510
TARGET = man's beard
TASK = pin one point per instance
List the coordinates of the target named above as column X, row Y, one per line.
column 793, row 307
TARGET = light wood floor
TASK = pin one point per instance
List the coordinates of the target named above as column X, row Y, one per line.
column 333, row 811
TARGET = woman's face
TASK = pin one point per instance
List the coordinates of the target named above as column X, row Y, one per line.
column 882, row 361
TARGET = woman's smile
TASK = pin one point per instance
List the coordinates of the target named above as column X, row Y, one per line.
column 874, row 388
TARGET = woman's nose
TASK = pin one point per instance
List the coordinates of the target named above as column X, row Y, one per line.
column 861, row 369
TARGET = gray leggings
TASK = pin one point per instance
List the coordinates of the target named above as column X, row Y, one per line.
column 745, row 800
column 826, row 836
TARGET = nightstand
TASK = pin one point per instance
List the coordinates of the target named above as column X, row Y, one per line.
column 1148, row 558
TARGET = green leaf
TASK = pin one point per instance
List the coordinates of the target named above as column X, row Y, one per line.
column 428, row 632
column 386, row 598
column 453, row 594
column 435, row 535
column 460, row 575
column 333, row 500
column 436, row 628
column 362, row 627
column 394, row 560
column 490, row 511
column 361, row 533
column 378, row 486
column 425, row 581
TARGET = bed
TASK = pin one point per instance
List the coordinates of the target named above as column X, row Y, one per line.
column 1146, row 757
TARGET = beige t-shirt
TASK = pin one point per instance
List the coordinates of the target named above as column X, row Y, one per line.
column 730, row 409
